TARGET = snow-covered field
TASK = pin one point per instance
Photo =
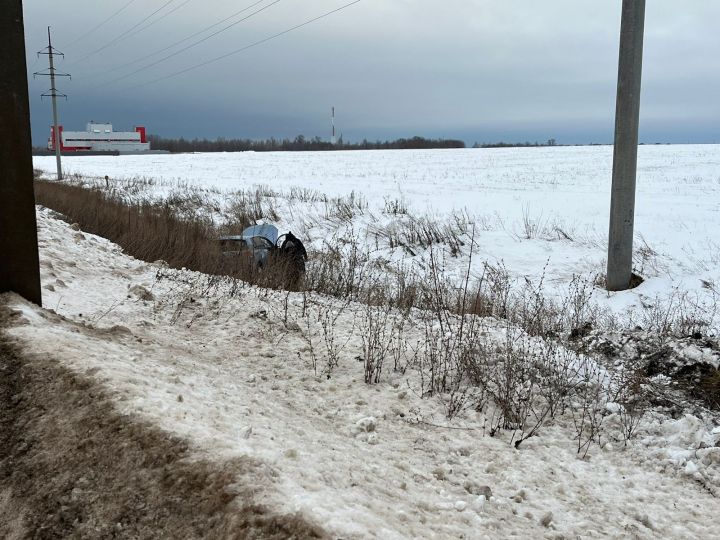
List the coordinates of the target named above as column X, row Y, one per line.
column 537, row 210
column 234, row 376
column 232, row 370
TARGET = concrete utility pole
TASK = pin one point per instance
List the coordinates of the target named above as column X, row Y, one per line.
column 53, row 93
column 19, row 264
column 627, row 119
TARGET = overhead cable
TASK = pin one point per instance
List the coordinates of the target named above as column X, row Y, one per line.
column 242, row 49
column 94, row 29
column 194, row 44
column 175, row 44
column 125, row 33
column 166, row 15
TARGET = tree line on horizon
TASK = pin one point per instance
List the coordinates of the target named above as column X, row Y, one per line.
column 299, row 143
column 527, row 144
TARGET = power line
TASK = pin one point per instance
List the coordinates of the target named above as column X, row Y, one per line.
column 86, row 34
column 194, row 44
column 237, row 51
column 35, row 63
column 160, row 51
column 118, row 38
column 166, row 15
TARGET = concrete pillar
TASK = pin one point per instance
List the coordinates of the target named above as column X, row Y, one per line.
column 627, row 118
column 19, row 264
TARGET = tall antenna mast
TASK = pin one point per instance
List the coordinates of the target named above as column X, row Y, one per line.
column 50, row 51
column 333, row 140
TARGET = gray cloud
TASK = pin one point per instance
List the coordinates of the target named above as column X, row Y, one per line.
column 475, row 69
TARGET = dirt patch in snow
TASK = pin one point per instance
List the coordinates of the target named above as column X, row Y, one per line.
column 71, row 466
column 688, row 367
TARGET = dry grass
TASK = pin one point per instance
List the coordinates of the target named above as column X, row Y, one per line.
column 166, row 231
column 144, row 230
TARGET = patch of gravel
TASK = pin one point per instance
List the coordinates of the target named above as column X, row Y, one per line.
column 71, row 466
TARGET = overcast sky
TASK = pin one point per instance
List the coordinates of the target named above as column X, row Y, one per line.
column 478, row 70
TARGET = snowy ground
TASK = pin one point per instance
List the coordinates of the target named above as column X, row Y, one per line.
column 539, row 211
column 365, row 461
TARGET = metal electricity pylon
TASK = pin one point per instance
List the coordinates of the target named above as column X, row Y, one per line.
column 51, row 52
column 19, row 265
column 627, row 119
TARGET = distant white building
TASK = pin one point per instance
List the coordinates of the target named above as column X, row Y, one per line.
column 100, row 138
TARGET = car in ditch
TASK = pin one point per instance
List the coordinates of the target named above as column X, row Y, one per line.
column 255, row 245
column 260, row 247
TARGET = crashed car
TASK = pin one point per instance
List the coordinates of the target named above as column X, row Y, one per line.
column 256, row 243
column 261, row 247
